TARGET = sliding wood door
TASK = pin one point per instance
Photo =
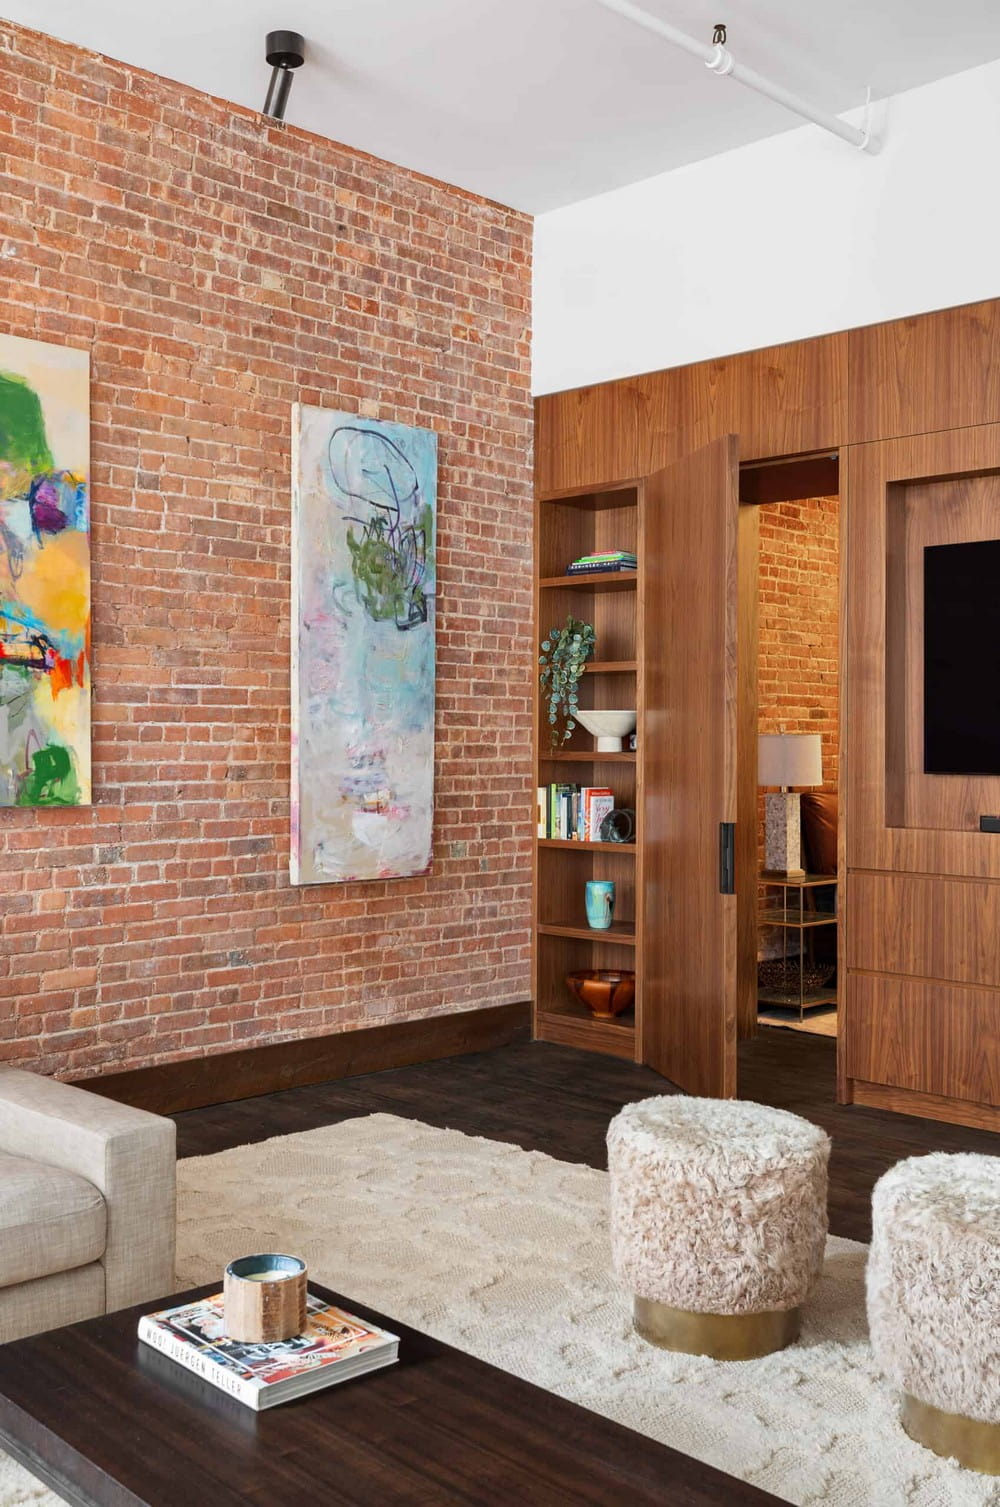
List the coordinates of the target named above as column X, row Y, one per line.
column 689, row 606
column 921, row 1023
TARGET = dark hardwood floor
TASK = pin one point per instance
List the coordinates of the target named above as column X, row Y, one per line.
column 559, row 1100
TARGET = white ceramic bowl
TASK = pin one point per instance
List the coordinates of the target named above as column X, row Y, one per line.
column 609, row 728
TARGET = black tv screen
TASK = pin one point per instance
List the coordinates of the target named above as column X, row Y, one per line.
column 962, row 658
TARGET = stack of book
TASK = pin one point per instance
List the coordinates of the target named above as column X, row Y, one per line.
column 336, row 1346
column 573, row 813
column 609, row 559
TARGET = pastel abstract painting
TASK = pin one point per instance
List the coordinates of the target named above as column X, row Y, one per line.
column 44, row 574
column 364, row 497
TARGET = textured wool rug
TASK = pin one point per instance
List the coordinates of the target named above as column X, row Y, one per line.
column 504, row 1253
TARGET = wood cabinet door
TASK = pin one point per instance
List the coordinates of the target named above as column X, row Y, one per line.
column 920, row 985
column 689, row 609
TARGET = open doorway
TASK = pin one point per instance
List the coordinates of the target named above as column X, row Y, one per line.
column 790, row 695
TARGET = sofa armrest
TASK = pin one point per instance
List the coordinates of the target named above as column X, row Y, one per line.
column 126, row 1153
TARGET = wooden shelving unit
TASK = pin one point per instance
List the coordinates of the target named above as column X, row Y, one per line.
column 587, row 758
column 566, row 526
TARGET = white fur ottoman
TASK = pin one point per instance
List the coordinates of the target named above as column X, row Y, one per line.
column 718, row 1221
column 934, row 1300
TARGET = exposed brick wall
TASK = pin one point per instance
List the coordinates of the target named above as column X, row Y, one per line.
column 219, row 268
column 797, row 682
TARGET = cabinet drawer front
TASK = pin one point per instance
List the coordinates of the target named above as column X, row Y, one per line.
column 925, row 926
column 926, row 1037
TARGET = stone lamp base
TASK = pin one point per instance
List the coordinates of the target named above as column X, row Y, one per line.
column 782, row 834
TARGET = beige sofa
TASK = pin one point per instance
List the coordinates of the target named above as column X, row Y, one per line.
column 87, row 1204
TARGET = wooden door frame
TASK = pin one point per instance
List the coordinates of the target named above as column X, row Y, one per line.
column 764, row 481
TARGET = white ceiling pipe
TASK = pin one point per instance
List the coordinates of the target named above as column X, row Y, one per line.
column 722, row 62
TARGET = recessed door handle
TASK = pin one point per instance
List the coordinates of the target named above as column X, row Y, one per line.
column 727, row 858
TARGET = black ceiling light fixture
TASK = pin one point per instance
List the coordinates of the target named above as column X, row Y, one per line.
column 285, row 51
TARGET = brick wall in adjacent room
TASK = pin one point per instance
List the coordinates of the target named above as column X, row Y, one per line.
column 219, row 268
column 797, row 683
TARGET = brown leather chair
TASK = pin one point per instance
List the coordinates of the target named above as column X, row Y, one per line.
column 819, row 853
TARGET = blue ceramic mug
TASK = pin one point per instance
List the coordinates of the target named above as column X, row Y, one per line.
column 600, row 903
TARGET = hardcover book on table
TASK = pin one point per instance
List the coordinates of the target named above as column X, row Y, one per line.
column 335, row 1347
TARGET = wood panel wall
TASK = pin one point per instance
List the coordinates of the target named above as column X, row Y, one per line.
column 921, row 1006
column 787, row 400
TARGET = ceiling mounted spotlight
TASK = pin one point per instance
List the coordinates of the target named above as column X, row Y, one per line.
column 285, row 51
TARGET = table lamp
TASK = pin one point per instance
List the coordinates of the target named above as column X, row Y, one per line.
column 786, row 759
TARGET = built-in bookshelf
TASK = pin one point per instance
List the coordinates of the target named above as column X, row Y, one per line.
column 567, row 526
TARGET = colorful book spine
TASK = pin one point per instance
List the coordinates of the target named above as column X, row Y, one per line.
column 572, row 813
column 607, row 554
column 602, row 801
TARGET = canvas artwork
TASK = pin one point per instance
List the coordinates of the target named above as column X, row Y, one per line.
column 364, row 498
column 44, row 574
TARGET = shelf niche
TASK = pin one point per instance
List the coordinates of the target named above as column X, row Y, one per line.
column 566, row 528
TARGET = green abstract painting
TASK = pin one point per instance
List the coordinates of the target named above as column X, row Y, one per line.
column 44, row 574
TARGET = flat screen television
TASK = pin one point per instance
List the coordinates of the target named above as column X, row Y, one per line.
column 962, row 658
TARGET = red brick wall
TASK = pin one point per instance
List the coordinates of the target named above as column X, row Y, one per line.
column 797, row 682
column 219, row 268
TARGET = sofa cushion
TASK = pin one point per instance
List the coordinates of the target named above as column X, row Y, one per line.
column 50, row 1220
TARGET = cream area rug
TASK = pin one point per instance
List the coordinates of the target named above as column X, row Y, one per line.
column 504, row 1253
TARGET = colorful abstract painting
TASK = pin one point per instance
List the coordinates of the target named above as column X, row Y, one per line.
column 364, row 496
column 44, row 574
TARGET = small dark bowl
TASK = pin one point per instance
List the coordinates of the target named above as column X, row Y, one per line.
column 606, row 992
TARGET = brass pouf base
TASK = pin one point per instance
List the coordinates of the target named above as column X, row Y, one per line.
column 723, row 1336
column 974, row 1444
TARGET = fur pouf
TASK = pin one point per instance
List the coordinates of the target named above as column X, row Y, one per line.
column 934, row 1281
column 717, row 1206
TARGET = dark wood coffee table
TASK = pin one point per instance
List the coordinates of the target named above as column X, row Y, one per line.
column 107, row 1422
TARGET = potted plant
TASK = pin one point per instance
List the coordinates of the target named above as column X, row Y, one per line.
column 564, row 653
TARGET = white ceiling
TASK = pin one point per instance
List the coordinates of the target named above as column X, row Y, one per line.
column 536, row 103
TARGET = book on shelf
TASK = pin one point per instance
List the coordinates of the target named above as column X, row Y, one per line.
column 595, row 567
column 335, row 1347
column 607, row 554
column 572, row 813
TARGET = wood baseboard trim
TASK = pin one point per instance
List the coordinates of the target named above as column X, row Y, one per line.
column 905, row 1101
column 223, row 1077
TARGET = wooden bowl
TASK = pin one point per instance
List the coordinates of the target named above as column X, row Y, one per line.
column 606, row 992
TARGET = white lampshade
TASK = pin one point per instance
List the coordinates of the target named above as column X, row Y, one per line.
column 789, row 759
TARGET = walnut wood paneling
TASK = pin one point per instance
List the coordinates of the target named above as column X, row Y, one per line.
column 690, row 741
column 588, row 436
column 786, row 400
column 873, row 476
column 914, row 407
column 683, row 409
column 926, row 1037
column 791, row 398
column 925, row 926
column 935, row 371
column 903, row 1101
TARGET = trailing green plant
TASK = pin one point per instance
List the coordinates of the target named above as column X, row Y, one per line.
column 564, row 653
